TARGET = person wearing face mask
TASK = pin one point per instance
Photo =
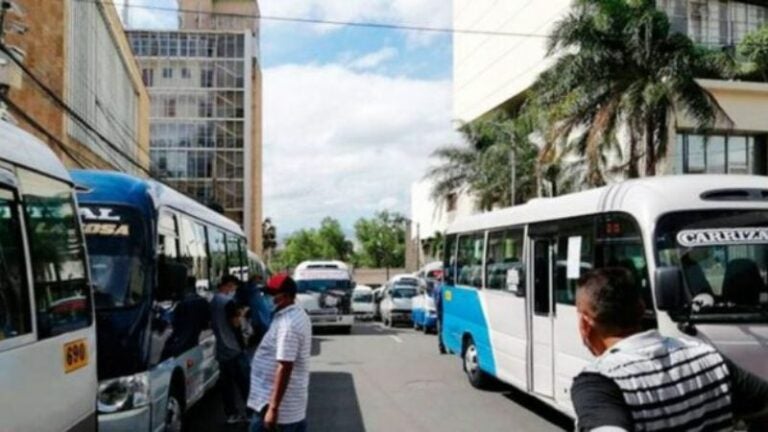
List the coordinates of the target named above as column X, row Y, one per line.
column 280, row 368
column 641, row 380
column 226, row 320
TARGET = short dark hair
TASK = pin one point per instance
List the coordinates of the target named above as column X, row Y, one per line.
column 614, row 297
column 227, row 279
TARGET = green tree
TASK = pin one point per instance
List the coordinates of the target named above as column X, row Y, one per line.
column 482, row 165
column 754, row 49
column 382, row 239
column 327, row 242
column 619, row 65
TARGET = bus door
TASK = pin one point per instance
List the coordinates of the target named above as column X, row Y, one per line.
column 541, row 325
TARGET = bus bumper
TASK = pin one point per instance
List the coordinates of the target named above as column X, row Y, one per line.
column 126, row 421
column 332, row 320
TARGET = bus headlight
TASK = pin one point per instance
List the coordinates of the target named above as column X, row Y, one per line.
column 124, row 393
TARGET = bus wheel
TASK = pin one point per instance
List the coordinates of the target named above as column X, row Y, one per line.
column 345, row 330
column 476, row 377
column 174, row 413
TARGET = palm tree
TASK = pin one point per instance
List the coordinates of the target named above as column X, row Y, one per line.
column 620, row 66
column 482, row 166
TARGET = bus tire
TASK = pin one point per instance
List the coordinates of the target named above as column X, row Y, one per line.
column 174, row 411
column 345, row 330
column 477, row 378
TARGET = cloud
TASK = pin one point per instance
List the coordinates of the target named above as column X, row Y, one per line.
column 372, row 60
column 422, row 13
column 346, row 143
column 139, row 17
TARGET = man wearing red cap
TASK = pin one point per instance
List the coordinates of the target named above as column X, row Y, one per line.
column 280, row 367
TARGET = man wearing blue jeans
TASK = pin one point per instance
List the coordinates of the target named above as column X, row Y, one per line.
column 280, row 367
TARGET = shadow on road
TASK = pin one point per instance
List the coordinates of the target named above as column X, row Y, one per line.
column 374, row 329
column 530, row 403
column 333, row 404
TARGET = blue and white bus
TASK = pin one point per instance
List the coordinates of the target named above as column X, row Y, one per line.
column 47, row 332
column 697, row 245
column 155, row 258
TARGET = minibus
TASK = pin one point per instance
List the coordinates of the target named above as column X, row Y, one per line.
column 697, row 246
column 156, row 257
column 47, row 332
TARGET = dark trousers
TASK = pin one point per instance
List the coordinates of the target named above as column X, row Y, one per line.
column 234, row 376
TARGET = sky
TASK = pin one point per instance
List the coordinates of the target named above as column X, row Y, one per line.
column 351, row 115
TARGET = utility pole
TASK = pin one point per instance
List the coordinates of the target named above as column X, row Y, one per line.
column 512, row 160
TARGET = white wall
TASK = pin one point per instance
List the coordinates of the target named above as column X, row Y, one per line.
column 491, row 69
column 432, row 216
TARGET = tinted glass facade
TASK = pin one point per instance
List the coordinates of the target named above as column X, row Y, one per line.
column 720, row 154
column 715, row 23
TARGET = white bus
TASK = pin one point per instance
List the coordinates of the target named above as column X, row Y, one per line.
column 47, row 333
column 697, row 245
column 325, row 292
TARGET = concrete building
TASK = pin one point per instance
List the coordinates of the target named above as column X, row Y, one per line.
column 492, row 72
column 430, row 217
column 79, row 51
column 204, row 81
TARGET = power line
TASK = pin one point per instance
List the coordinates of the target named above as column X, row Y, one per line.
column 318, row 21
column 72, row 113
column 28, row 119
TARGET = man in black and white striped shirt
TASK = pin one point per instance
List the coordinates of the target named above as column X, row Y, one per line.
column 280, row 367
column 642, row 381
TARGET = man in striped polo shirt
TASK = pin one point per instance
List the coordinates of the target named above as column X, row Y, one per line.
column 280, row 367
column 642, row 381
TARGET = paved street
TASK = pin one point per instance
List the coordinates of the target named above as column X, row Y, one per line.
column 382, row 380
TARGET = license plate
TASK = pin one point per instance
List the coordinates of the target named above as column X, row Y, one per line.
column 75, row 355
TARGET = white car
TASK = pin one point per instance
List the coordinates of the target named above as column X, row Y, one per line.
column 396, row 304
column 362, row 302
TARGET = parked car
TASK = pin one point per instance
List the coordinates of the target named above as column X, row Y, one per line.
column 362, row 302
column 396, row 304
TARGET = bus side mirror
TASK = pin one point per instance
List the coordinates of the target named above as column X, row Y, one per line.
column 669, row 289
column 171, row 280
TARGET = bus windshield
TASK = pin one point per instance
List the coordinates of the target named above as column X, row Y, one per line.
column 116, row 245
column 323, row 285
column 723, row 255
column 403, row 293
column 363, row 298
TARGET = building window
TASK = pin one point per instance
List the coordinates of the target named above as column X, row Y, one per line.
column 714, row 22
column 167, row 73
column 169, row 107
column 720, row 154
column 185, row 73
column 148, row 76
column 451, row 202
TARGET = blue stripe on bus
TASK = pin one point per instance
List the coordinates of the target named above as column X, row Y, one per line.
column 463, row 315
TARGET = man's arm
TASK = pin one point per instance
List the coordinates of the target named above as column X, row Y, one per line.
column 288, row 344
column 599, row 404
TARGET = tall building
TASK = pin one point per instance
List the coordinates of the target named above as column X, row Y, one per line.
column 79, row 52
column 204, row 81
column 492, row 72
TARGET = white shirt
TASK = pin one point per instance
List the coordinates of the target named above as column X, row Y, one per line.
column 289, row 338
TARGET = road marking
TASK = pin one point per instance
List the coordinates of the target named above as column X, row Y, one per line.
column 397, row 339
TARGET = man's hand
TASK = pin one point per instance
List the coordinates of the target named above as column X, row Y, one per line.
column 270, row 419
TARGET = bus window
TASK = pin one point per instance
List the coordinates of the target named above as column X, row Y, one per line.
column 505, row 252
column 62, row 295
column 218, row 254
column 469, row 265
column 234, row 256
column 542, row 267
column 193, row 252
column 573, row 233
column 168, row 238
column 117, row 250
column 15, row 312
column 619, row 244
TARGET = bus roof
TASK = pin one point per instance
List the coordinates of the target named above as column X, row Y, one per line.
column 110, row 187
column 322, row 265
column 24, row 149
column 646, row 199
